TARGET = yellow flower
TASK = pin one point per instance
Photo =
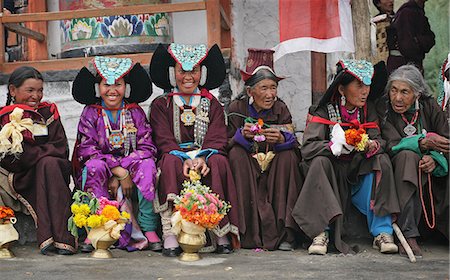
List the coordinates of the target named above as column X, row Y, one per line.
column 79, row 220
column 125, row 215
column 75, row 208
column 194, row 176
column 362, row 144
column 95, row 221
column 111, row 213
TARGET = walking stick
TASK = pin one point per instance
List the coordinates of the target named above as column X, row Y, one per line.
column 405, row 244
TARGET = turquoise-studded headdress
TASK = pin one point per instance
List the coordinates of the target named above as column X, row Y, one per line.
column 188, row 56
column 362, row 70
column 138, row 83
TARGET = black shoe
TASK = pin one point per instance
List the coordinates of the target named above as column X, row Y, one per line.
column 86, row 248
column 224, row 249
column 171, row 252
column 48, row 250
column 64, row 252
column 155, row 246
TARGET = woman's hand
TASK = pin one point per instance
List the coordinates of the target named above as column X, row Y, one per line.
column 427, row 164
column 247, row 132
column 370, row 146
column 197, row 164
column 125, row 181
column 113, row 186
column 435, row 142
column 273, row 136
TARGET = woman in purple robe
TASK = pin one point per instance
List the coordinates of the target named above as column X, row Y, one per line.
column 190, row 133
column 114, row 145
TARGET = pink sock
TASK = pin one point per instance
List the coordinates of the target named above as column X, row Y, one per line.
column 152, row 237
column 170, row 242
column 223, row 240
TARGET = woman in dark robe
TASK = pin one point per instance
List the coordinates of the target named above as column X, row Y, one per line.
column 190, row 133
column 41, row 172
column 338, row 173
column 269, row 186
column 417, row 135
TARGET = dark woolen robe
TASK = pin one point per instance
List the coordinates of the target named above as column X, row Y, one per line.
column 410, row 33
column 326, row 191
column 41, row 180
column 432, row 119
column 265, row 198
column 219, row 179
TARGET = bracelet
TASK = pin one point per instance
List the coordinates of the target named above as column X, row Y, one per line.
column 124, row 177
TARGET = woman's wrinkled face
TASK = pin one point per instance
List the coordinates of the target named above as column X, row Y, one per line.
column 112, row 95
column 264, row 94
column 29, row 93
column 356, row 93
column 402, row 96
column 187, row 81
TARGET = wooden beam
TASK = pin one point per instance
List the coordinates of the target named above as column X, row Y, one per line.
column 26, row 32
column 37, row 50
column 225, row 12
column 361, row 29
column 86, row 13
column 69, row 63
column 2, row 38
column 318, row 76
column 213, row 22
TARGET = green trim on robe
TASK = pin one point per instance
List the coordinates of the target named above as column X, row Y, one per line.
column 412, row 144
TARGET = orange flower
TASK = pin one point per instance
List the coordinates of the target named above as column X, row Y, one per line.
column 111, row 213
column 260, row 122
column 353, row 136
column 6, row 212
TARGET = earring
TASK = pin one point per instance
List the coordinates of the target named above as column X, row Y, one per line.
column 172, row 76
column 250, row 100
column 343, row 100
column 97, row 90
column 13, row 99
column 127, row 90
column 417, row 103
column 203, row 75
column 276, row 98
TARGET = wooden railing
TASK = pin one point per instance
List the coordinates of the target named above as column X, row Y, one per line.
column 216, row 20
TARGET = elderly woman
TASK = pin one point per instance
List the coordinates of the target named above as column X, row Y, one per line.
column 342, row 167
column 190, row 134
column 40, row 169
column 265, row 170
column 417, row 136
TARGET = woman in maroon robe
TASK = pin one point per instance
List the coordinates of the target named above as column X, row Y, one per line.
column 41, row 173
column 268, row 189
column 190, row 133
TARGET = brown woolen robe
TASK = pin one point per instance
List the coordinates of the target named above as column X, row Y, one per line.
column 219, row 179
column 432, row 119
column 41, row 177
column 265, row 199
column 326, row 192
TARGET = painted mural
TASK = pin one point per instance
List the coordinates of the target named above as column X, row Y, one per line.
column 113, row 30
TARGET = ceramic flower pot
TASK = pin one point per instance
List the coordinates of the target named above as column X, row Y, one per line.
column 191, row 239
column 101, row 241
column 8, row 235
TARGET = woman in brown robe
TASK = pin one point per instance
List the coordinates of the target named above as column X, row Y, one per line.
column 266, row 194
column 338, row 174
column 190, row 133
column 41, row 173
column 417, row 135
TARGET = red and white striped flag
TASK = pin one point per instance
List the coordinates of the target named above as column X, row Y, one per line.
column 315, row 25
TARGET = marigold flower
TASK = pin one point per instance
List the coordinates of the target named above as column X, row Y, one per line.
column 79, row 220
column 111, row 213
column 94, row 221
column 125, row 215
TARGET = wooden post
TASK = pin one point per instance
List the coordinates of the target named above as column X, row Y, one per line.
column 318, row 76
column 2, row 38
column 225, row 21
column 361, row 29
column 213, row 22
column 37, row 50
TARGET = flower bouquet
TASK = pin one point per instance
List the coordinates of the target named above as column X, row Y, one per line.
column 8, row 234
column 263, row 159
column 357, row 138
column 101, row 218
column 197, row 209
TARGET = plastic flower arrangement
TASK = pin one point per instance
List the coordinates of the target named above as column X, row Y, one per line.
column 197, row 204
column 357, row 138
column 257, row 129
column 91, row 212
column 6, row 214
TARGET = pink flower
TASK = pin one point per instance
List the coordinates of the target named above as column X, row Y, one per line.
column 255, row 128
column 212, row 209
column 211, row 198
column 103, row 201
column 259, row 138
column 201, row 199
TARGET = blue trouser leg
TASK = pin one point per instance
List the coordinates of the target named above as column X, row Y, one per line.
column 361, row 194
column 147, row 219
